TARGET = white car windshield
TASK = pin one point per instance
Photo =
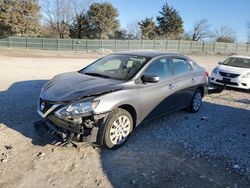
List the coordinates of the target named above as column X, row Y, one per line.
column 237, row 62
column 120, row 67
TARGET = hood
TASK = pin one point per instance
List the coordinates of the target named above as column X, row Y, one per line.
column 234, row 70
column 74, row 85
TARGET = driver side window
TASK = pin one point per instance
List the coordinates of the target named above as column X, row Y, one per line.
column 160, row 67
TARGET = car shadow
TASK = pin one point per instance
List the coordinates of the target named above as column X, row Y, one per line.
column 237, row 90
column 183, row 150
column 18, row 107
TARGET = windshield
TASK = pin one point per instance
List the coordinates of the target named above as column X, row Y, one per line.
column 237, row 62
column 120, row 67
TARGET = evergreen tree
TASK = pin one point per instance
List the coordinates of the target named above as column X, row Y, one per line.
column 19, row 18
column 148, row 28
column 120, row 34
column 80, row 27
column 102, row 19
column 170, row 23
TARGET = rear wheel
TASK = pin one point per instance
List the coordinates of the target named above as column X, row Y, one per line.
column 196, row 101
column 118, row 127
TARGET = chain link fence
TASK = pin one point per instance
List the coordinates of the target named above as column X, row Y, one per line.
column 91, row 45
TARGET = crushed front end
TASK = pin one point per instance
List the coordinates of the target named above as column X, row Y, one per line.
column 65, row 123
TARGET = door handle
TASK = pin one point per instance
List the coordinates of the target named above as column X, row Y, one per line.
column 193, row 80
column 171, row 86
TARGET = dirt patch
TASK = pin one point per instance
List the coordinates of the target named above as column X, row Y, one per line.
column 9, row 52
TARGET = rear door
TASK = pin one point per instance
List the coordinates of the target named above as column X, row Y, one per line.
column 184, row 81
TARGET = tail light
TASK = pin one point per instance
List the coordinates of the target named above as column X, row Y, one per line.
column 206, row 74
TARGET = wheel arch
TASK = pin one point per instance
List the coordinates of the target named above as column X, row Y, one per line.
column 202, row 89
column 131, row 110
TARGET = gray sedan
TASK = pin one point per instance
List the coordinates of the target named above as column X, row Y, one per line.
column 105, row 101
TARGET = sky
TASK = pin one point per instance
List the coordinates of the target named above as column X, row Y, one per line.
column 232, row 13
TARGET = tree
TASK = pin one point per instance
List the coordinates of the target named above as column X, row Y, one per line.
column 248, row 34
column 121, row 34
column 133, row 30
column 19, row 18
column 48, row 32
column 170, row 24
column 200, row 30
column 66, row 17
column 80, row 26
column 103, row 22
column 225, row 34
column 58, row 14
column 148, row 28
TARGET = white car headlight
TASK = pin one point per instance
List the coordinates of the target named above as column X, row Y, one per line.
column 215, row 70
column 247, row 75
column 77, row 108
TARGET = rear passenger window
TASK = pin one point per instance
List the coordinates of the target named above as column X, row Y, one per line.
column 181, row 66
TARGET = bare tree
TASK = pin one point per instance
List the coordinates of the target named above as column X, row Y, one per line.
column 59, row 14
column 248, row 33
column 133, row 30
column 48, row 32
column 225, row 34
column 81, row 6
column 200, row 30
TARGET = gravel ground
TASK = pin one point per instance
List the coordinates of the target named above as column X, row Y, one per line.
column 208, row 149
column 217, row 130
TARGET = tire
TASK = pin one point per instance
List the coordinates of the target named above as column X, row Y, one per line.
column 196, row 101
column 118, row 127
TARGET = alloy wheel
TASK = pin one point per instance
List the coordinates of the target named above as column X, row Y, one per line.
column 120, row 129
column 197, row 101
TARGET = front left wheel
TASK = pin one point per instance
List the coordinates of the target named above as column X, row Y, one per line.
column 118, row 127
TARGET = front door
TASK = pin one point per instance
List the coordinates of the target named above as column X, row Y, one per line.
column 154, row 96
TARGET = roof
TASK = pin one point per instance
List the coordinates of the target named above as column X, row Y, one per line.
column 241, row 56
column 150, row 54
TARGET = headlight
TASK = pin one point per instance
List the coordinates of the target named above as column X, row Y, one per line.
column 247, row 75
column 77, row 108
column 215, row 71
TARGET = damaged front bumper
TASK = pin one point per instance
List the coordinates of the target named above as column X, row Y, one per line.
column 58, row 131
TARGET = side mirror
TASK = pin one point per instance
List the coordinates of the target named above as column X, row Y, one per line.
column 220, row 63
column 150, row 78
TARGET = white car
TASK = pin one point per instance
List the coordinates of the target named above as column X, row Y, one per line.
column 234, row 72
